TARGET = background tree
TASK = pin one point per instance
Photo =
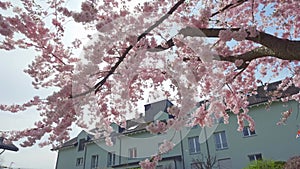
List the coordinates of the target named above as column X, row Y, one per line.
column 217, row 50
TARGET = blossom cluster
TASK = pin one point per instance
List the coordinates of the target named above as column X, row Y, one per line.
column 166, row 146
column 150, row 164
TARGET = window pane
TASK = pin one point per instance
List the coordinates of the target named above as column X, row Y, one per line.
column 194, row 145
column 132, row 152
column 258, row 157
column 251, row 157
column 197, row 144
column 245, row 131
column 81, row 144
column 252, row 132
column 113, row 158
column 217, row 140
column 79, row 161
column 94, row 161
column 109, row 159
column 220, row 140
column 224, row 140
column 191, row 145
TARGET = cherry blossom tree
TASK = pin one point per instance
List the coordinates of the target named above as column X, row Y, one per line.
column 220, row 51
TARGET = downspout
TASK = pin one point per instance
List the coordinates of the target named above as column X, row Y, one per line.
column 84, row 157
column 57, row 159
column 120, row 154
column 207, row 148
column 181, row 146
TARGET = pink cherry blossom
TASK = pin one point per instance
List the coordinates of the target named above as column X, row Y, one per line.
column 166, row 146
column 217, row 52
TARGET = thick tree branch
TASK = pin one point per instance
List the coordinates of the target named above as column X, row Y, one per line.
column 248, row 56
column 282, row 48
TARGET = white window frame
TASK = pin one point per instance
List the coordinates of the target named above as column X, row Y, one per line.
column 111, row 158
column 94, row 161
column 194, row 141
column 132, row 152
column 223, row 141
column 248, row 132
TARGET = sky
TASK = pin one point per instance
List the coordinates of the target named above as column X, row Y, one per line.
column 16, row 88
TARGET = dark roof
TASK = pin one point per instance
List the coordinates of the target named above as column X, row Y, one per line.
column 269, row 91
column 4, row 146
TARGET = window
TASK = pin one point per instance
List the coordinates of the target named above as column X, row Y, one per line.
column 255, row 157
column 81, row 144
column 220, row 140
column 247, row 132
column 196, row 165
column 225, row 163
column 111, row 159
column 79, row 161
column 132, row 153
column 94, row 163
column 194, row 145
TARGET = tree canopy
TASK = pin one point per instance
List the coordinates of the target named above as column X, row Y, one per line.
column 218, row 51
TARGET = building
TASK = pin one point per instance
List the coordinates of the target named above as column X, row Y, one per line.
column 223, row 144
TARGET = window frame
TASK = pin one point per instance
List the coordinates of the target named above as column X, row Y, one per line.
column 255, row 157
column 195, row 143
column 94, row 161
column 222, row 140
column 81, row 145
column 249, row 132
column 111, row 158
column 134, row 154
column 79, row 161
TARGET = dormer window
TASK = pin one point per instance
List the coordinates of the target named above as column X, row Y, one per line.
column 81, row 144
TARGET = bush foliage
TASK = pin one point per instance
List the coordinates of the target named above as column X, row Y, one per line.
column 266, row 164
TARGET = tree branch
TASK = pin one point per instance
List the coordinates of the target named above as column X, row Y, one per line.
column 282, row 48
column 123, row 56
column 157, row 23
column 248, row 56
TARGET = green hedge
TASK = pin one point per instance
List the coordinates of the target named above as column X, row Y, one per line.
column 266, row 164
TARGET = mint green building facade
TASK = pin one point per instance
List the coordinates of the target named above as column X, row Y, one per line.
column 223, row 143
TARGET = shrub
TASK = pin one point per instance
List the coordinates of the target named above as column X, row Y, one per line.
column 266, row 164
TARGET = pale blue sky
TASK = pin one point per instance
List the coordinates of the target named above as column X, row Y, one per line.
column 15, row 87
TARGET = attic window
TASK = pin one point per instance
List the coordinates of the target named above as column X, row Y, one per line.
column 81, row 144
